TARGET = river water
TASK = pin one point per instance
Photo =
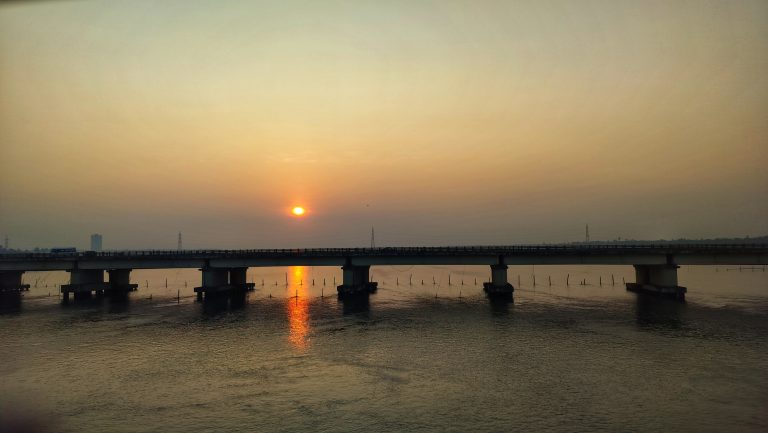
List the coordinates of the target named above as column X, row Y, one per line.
column 417, row 357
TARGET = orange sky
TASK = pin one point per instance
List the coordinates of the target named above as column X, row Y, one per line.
column 436, row 122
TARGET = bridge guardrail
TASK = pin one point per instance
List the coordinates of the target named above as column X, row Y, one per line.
column 390, row 251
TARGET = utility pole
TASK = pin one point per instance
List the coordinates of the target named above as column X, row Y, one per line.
column 179, row 243
column 373, row 239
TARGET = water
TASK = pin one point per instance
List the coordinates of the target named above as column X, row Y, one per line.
column 431, row 357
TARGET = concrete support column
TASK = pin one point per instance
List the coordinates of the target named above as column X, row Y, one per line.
column 215, row 277
column 215, row 281
column 355, row 275
column 239, row 282
column 10, row 282
column 237, row 276
column 499, row 285
column 120, row 280
column 84, row 281
column 86, row 276
column 657, row 279
column 499, row 275
column 119, row 276
column 356, row 281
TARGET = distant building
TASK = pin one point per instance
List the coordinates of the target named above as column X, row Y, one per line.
column 96, row 242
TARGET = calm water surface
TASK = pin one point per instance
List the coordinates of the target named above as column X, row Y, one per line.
column 420, row 357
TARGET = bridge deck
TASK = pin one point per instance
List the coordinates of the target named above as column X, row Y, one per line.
column 681, row 254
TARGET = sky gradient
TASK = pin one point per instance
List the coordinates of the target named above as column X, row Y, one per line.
column 446, row 122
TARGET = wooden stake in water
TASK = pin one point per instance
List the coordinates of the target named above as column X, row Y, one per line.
column 410, row 280
column 613, row 282
column 601, row 281
column 286, row 278
column 178, row 296
column 550, row 280
column 166, row 283
column 534, row 280
column 397, row 281
column 568, row 280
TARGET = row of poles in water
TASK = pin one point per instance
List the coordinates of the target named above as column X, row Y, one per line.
column 583, row 281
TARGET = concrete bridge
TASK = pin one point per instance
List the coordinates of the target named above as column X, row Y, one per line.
column 223, row 271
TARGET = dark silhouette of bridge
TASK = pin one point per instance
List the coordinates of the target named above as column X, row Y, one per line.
column 223, row 271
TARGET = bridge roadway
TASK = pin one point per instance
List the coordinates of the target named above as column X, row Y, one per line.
column 223, row 271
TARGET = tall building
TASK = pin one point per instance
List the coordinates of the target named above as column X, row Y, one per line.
column 96, row 242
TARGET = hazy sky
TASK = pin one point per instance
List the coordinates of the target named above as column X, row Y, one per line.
column 445, row 122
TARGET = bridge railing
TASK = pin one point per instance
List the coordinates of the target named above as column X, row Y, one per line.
column 396, row 251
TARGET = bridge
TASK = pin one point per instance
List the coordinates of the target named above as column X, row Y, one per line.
column 224, row 271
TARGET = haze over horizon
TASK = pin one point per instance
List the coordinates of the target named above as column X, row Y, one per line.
column 451, row 122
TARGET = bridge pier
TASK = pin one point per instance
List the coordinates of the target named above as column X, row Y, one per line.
column 499, row 287
column 223, row 281
column 83, row 282
column 10, row 283
column 120, row 281
column 356, row 281
column 657, row 280
column 238, row 282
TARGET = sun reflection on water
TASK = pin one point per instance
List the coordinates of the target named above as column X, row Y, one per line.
column 298, row 308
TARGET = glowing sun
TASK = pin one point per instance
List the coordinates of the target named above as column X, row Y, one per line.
column 298, row 211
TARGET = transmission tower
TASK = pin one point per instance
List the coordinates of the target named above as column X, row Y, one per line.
column 373, row 239
column 179, row 244
column 587, row 237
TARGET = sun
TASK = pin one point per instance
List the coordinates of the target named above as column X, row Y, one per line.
column 298, row 211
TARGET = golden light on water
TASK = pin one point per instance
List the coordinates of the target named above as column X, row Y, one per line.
column 298, row 308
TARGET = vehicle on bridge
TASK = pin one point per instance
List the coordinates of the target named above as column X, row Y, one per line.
column 63, row 250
